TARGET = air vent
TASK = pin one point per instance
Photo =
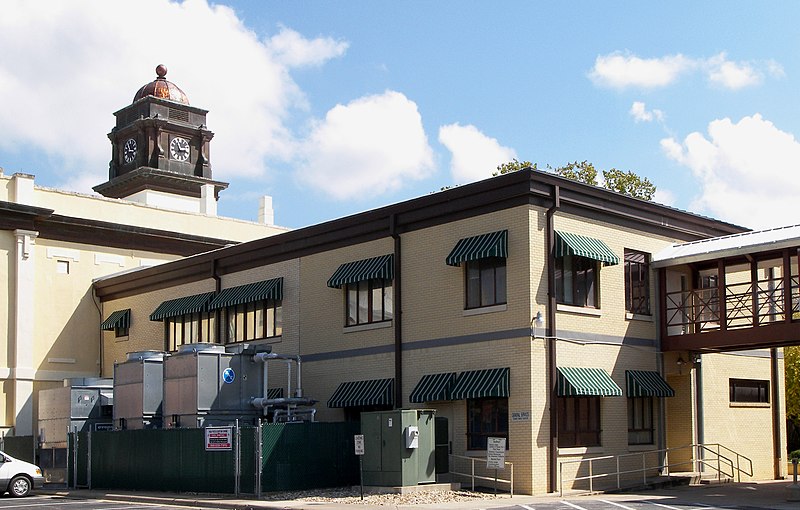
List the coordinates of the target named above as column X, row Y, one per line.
column 181, row 115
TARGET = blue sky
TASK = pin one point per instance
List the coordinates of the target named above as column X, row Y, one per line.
column 338, row 107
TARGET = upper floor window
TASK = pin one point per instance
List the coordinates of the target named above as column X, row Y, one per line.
column 252, row 321
column 367, row 288
column 486, row 282
column 190, row 328
column 118, row 322
column 637, row 282
column 368, row 301
column 749, row 390
column 576, row 281
column 484, row 261
column 577, row 268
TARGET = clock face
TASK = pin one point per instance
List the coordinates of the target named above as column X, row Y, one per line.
column 179, row 149
column 129, row 150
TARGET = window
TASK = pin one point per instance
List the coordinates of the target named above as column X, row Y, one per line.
column 749, row 390
column 640, row 420
column 578, row 421
column 368, row 301
column 486, row 417
column 637, row 282
column 576, row 281
column 120, row 331
column 62, row 266
column 486, row 282
column 252, row 321
column 190, row 328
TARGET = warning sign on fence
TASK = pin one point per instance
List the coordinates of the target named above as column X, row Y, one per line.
column 219, row 438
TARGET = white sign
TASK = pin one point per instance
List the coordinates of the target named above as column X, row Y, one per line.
column 520, row 416
column 496, row 453
column 359, row 444
column 219, row 438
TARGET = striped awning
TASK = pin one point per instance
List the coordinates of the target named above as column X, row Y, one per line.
column 363, row 393
column 275, row 393
column 583, row 246
column 433, row 388
column 189, row 304
column 586, row 382
column 494, row 244
column 258, row 291
column 361, row 270
column 481, row 383
column 118, row 319
column 644, row 383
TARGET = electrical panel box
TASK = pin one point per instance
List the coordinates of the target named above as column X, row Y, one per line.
column 399, row 447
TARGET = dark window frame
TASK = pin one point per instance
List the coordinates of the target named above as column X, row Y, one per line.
column 121, row 331
column 749, row 391
column 497, row 421
column 585, row 281
column 368, row 290
column 577, row 428
column 185, row 324
column 637, row 282
column 478, row 275
column 641, row 426
column 250, row 329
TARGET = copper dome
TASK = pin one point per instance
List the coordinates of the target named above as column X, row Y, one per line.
column 161, row 88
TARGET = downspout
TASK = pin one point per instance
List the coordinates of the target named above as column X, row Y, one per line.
column 662, row 402
column 217, row 289
column 776, row 412
column 551, row 336
column 398, row 314
column 698, row 388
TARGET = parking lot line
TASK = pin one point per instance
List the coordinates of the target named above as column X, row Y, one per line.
column 50, row 503
column 573, row 505
column 617, row 504
column 526, row 507
column 663, row 505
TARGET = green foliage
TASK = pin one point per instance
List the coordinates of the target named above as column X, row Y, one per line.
column 791, row 361
column 513, row 166
column 583, row 171
column 794, row 455
column 628, row 183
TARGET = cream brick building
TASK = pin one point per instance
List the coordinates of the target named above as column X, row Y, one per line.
column 433, row 303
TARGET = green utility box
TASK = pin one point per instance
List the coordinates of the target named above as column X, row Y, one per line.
column 399, row 447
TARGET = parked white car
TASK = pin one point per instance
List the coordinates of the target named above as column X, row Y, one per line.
column 18, row 477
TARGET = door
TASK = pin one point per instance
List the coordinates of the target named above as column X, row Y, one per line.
column 442, row 445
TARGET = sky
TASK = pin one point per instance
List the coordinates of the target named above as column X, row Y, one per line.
column 337, row 107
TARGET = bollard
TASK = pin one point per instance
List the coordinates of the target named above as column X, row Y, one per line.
column 794, row 470
column 793, row 491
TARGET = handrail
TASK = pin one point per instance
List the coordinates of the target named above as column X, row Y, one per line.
column 472, row 476
column 722, row 464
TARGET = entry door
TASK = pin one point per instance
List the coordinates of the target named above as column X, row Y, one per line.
column 442, row 445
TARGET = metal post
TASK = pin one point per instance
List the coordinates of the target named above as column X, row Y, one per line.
column 591, row 477
column 719, row 466
column 495, row 482
column 794, row 468
column 259, row 458
column 666, row 463
column 89, row 459
column 561, row 480
column 618, row 486
column 75, row 457
column 237, row 470
column 512, row 480
column 473, row 474
column 644, row 470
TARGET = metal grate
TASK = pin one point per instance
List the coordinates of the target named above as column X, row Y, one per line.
column 181, row 115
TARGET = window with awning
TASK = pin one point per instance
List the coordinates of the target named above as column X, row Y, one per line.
column 373, row 392
column 569, row 244
column 368, row 289
column 644, row 383
column 363, row 270
column 433, row 388
column 484, row 246
column 250, row 312
column 182, row 306
column 119, row 319
column 258, row 291
column 484, row 261
column 586, row 382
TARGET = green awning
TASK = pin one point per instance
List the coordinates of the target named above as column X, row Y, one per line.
column 586, row 382
column 643, row 383
column 481, row 383
column 433, row 388
column 363, row 393
column 259, row 291
column 275, row 393
column 361, row 270
column 494, row 244
column 181, row 306
column 582, row 246
column 118, row 319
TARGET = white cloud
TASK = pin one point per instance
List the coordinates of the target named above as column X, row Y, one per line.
column 292, row 49
column 640, row 113
column 372, row 145
column 89, row 57
column 475, row 156
column 623, row 70
column 732, row 75
column 748, row 171
column 664, row 196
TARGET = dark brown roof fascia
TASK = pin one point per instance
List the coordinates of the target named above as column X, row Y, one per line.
column 502, row 192
column 19, row 216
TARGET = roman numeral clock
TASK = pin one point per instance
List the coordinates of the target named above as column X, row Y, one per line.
column 159, row 143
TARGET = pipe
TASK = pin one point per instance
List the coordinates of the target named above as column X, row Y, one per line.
column 263, row 357
column 776, row 412
column 398, row 314
column 551, row 336
column 263, row 402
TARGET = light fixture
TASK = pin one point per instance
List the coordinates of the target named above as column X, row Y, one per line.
column 680, row 364
column 539, row 319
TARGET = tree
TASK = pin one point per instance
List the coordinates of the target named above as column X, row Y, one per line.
column 791, row 360
column 629, row 183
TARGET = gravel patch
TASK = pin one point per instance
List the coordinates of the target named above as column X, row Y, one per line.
column 352, row 496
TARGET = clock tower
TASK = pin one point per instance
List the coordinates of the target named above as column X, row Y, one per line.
column 160, row 150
